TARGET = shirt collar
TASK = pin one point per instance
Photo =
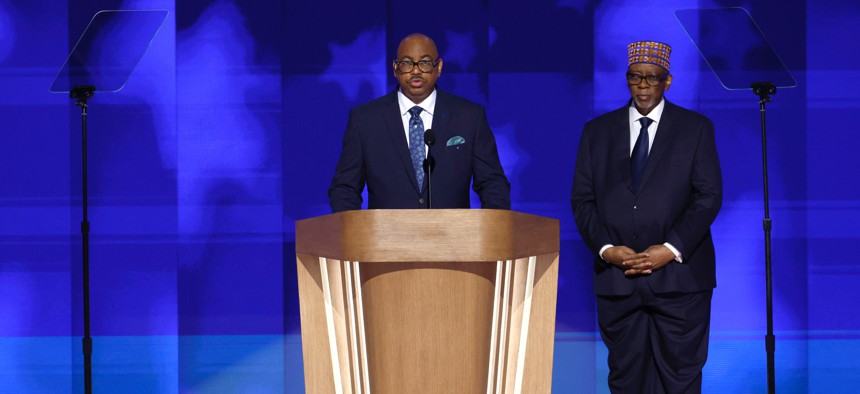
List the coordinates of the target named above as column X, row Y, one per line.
column 428, row 105
column 654, row 115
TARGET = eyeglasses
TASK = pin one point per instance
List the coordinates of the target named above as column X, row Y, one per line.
column 653, row 80
column 425, row 66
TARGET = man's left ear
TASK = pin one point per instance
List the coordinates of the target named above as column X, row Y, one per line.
column 668, row 82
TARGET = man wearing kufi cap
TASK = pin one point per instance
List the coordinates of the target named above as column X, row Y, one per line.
column 646, row 188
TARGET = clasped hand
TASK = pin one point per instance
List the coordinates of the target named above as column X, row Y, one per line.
column 642, row 263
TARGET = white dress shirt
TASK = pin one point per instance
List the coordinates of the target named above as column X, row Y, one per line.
column 428, row 106
column 635, row 126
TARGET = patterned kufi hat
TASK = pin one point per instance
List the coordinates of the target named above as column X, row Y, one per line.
column 649, row 52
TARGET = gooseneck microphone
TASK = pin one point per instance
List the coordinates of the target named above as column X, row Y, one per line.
column 429, row 164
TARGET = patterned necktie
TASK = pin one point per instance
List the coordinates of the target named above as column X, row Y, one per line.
column 640, row 154
column 416, row 144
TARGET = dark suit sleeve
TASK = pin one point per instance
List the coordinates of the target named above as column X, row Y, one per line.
column 489, row 181
column 583, row 199
column 348, row 182
column 706, row 196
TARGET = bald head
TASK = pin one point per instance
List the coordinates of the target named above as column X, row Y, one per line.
column 415, row 38
column 417, row 53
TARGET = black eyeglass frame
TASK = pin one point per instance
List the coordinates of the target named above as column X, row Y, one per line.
column 432, row 64
column 651, row 79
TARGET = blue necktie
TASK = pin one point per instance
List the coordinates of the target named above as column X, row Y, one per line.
column 640, row 154
column 416, row 144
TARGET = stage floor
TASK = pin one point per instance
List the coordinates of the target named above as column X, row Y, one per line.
column 822, row 362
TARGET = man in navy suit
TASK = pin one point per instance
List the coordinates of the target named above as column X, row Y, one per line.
column 645, row 193
column 384, row 147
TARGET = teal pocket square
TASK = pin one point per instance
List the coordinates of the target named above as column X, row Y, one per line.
column 456, row 141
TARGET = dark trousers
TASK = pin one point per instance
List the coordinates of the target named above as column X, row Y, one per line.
column 658, row 343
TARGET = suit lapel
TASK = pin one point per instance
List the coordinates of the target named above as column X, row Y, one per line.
column 441, row 118
column 621, row 144
column 661, row 142
column 394, row 124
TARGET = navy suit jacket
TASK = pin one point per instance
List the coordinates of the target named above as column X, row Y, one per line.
column 678, row 198
column 376, row 153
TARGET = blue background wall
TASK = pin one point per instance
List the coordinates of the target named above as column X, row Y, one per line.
column 228, row 132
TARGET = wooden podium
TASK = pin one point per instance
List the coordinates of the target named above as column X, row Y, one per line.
column 428, row 301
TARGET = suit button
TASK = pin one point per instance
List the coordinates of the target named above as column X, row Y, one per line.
column 635, row 207
column 635, row 236
column 421, row 200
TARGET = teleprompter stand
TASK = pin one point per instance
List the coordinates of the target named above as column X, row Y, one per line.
column 740, row 56
column 102, row 60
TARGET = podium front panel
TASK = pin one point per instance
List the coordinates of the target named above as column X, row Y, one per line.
column 458, row 325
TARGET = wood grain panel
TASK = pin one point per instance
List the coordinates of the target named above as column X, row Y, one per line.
column 319, row 376
column 444, row 301
column 427, row 235
column 427, row 326
column 537, row 375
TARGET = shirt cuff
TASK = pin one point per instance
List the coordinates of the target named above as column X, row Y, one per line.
column 603, row 249
column 678, row 256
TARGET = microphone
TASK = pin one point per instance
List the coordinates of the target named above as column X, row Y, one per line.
column 429, row 137
column 429, row 164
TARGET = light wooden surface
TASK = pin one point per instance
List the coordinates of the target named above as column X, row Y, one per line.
column 427, row 235
column 426, row 326
column 315, row 342
column 454, row 322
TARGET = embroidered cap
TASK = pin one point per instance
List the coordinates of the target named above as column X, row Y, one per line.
column 649, row 52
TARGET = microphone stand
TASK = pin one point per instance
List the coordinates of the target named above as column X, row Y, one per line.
column 429, row 164
column 764, row 90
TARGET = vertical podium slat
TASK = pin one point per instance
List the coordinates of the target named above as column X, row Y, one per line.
column 524, row 321
column 537, row 370
column 504, row 326
column 362, row 338
column 319, row 376
column 496, row 329
column 334, row 318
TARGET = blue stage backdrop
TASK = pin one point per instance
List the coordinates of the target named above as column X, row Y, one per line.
column 228, row 132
